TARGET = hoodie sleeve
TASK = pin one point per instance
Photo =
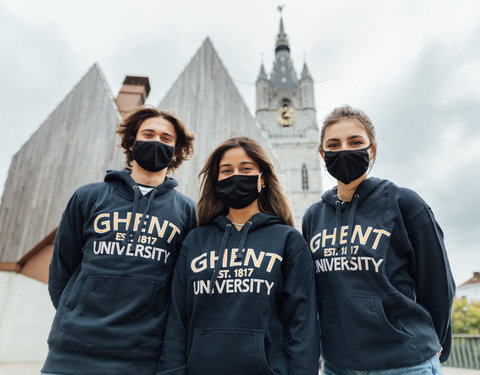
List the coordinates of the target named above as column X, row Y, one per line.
column 173, row 359
column 435, row 287
column 192, row 218
column 67, row 251
column 306, row 226
column 299, row 312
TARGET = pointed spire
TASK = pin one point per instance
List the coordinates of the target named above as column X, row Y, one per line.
column 262, row 74
column 283, row 73
column 282, row 39
column 305, row 72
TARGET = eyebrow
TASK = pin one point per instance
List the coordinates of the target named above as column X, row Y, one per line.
column 147, row 130
column 349, row 138
column 229, row 165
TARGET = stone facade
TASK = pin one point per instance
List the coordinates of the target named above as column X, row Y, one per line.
column 287, row 116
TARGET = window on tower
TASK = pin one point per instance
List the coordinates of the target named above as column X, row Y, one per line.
column 304, row 178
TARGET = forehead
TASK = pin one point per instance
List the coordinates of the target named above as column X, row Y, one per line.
column 157, row 125
column 235, row 156
column 345, row 128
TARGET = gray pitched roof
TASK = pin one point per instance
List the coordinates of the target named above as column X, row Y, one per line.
column 206, row 99
column 74, row 146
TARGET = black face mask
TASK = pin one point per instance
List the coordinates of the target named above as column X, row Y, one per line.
column 238, row 191
column 347, row 165
column 152, row 156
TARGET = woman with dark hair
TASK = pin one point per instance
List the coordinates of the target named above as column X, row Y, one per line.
column 243, row 288
column 384, row 285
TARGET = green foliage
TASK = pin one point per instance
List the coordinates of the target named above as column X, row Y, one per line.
column 466, row 317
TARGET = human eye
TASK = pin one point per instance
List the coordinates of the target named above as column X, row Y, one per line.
column 167, row 139
column 225, row 171
column 358, row 142
column 147, row 135
column 331, row 146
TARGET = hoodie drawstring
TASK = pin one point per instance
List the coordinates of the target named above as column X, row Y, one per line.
column 220, row 256
column 246, row 228
column 338, row 225
column 144, row 215
column 136, row 195
column 351, row 218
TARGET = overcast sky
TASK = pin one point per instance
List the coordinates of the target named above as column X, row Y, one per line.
column 413, row 66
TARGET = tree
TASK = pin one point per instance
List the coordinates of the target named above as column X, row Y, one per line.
column 466, row 317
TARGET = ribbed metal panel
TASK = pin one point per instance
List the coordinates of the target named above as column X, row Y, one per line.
column 74, row 146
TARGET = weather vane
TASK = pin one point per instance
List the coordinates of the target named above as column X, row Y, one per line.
column 280, row 8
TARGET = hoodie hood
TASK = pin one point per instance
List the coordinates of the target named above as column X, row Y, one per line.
column 256, row 221
column 363, row 191
column 128, row 185
column 129, row 189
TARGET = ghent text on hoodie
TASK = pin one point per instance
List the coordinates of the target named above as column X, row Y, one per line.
column 243, row 302
column 384, row 284
column 110, row 274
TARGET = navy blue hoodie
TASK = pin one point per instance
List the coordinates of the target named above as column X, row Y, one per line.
column 384, row 285
column 110, row 276
column 243, row 312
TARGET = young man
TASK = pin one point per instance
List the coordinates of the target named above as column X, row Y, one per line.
column 114, row 254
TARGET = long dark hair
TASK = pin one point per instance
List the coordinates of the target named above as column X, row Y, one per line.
column 272, row 199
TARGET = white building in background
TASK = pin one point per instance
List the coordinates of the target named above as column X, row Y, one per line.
column 470, row 289
column 285, row 111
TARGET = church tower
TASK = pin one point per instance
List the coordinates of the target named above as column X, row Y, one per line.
column 287, row 115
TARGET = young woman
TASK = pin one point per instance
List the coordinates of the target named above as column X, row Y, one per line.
column 243, row 287
column 384, row 286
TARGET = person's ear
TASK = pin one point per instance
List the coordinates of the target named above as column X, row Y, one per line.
column 373, row 151
column 261, row 182
column 320, row 151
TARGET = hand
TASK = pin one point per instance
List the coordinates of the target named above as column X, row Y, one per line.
column 440, row 352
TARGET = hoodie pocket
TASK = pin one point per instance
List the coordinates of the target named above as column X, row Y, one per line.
column 355, row 328
column 113, row 313
column 228, row 351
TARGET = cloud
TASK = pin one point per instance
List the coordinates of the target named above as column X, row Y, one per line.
column 39, row 69
column 429, row 138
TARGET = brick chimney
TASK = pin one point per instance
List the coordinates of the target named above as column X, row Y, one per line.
column 133, row 93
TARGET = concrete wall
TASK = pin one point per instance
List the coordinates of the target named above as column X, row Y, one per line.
column 26, row 315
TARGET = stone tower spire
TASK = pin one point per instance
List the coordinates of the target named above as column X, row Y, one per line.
column 283, row 73
column 262, row 74
column 306, row 72
column 287, row 116
column 306, row 88
column 282, row 38
column 263, row 90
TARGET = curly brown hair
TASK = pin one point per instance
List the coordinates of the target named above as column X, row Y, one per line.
column 127, row 129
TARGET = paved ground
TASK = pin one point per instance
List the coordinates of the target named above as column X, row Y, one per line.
column 459, row 371
column 34, row 369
